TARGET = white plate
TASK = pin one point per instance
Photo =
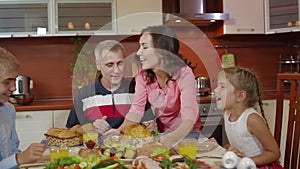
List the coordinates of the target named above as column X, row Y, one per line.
column 126, row 161
column 206, row 146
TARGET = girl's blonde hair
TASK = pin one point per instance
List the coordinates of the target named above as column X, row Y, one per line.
column 8, row 61
column 246, row 80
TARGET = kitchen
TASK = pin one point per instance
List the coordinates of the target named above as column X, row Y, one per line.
column 47, row 59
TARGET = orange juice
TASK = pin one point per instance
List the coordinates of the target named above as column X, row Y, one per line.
column 188, row 147
column 58, row 152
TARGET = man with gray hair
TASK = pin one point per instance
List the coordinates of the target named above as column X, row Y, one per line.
column 107, row 99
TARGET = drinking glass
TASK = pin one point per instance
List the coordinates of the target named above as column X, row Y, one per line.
column 188, row 147
column 58, row 152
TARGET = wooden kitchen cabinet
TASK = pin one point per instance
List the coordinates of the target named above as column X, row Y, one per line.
column 132, row 20
column 23, row 17
column 286, row 108
column 270, row 113
column 282, row 16
column 77, row 17
column 60, row 118
column 245, row 17
column 31, row 126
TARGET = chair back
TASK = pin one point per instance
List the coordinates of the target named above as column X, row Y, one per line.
column 288, row 87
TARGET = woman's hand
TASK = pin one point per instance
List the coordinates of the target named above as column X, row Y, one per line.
column 167, row 141
column 33, row 153
column 150, row 125
column 101, row 125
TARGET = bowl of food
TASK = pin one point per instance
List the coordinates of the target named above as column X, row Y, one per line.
column 22, row 99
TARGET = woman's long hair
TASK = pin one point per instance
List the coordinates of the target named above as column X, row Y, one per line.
column 166, row 43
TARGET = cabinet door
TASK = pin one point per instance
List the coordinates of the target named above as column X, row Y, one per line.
column 22, row 18
column 270, row 113
column 286, row 108
column 132, row 20
column 282, row 16
column 245, row 17
column 77, row 17
column 60, row 118
column 31, row 126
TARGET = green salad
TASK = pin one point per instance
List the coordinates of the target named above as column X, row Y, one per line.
column 91, row 162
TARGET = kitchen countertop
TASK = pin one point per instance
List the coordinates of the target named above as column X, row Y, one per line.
column 46, row 104
column 49, row 104
column 61, row 104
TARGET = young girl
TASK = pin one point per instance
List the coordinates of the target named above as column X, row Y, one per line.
column 238, row 95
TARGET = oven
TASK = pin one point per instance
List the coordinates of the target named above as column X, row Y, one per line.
column 212, row 122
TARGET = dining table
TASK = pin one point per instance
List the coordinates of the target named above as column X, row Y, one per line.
column 211, row 154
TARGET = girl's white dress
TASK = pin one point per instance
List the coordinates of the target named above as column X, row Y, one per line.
column 239, row 136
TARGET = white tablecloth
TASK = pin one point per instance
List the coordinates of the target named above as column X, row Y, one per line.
column 212, row 157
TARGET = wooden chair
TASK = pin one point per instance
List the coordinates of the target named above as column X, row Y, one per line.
column 292, row 93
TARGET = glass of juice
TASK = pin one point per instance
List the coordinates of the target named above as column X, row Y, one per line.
column 58, row 152
column 90, row 139
column 188, row 147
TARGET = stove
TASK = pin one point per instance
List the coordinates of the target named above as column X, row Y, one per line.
column 212, row 122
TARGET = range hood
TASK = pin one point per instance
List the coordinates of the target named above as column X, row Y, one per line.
column 194, row 11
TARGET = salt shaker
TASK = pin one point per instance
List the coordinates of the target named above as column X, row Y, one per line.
column 246, row 163
column 230, row 160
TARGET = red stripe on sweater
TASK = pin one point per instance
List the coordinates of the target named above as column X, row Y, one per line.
column 94, row 113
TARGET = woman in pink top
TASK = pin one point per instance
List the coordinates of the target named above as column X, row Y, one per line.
column 168, row 84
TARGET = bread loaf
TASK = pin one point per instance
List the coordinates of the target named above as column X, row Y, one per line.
column 148, row 148
column 54, row 132
column 76, row 130
column 67, row 134
column 137, row 131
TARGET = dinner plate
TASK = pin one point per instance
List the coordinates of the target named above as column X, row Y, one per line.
column 207, row 145
column 126, row 161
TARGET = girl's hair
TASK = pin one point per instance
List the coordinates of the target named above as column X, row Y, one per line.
column 8, row 61
column 166, row 43
column 244, row 79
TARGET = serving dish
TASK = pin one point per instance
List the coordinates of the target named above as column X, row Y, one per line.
column 207, row 145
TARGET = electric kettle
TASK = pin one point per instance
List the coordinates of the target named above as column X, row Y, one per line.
column 23, row 85
column 22, row 93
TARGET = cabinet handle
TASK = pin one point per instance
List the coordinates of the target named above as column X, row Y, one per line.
column 27, row 116
column 245, row 30
column 135, row 30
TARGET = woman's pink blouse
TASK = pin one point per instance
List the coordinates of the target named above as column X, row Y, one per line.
column 173, row 103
